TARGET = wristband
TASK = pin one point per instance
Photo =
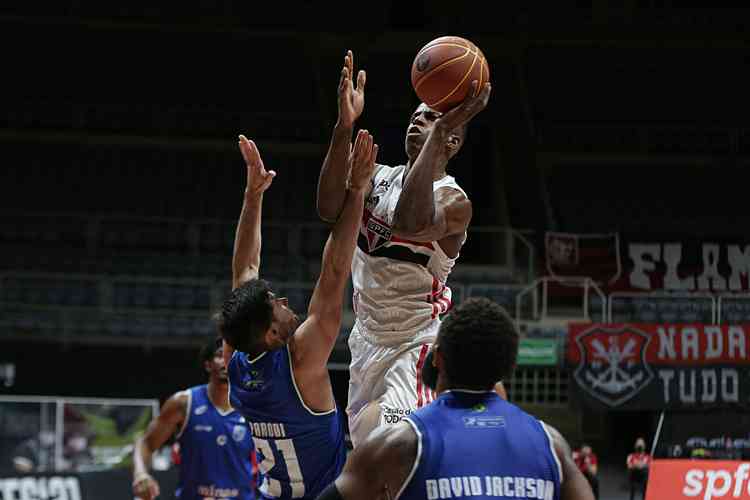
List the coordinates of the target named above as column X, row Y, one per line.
column 140, row 477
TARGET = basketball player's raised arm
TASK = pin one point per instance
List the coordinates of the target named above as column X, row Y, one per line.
column 247, row 239
column 316, row 337
column 333, row 173
column 379, row 467
column 158, row 432
column 574, row 485
column 422, row 214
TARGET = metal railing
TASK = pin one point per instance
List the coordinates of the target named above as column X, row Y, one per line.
column 726, row 299
column 674, row 298
column 587, row 285
column 45, row 421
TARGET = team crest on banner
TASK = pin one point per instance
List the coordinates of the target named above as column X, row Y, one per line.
column 238, row 433
column 613, row 367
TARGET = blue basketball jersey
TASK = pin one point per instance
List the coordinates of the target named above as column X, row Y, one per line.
column 299, row 451
column 476, row 444
column 215, row 451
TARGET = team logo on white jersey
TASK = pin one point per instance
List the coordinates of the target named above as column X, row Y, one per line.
column 201, row 409
column 238, row 433
column 378, row 233
column 221, row 439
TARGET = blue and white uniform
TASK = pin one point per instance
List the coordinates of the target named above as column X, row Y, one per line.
column 475, row 444
column 215, row 452
column 300, row 451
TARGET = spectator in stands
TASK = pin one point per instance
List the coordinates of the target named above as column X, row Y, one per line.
column 588, row 464
column 35, row 454
column 638, row 463
column 730, row 452
column 77, row 453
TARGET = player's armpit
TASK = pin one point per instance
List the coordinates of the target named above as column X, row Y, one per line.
column 453, row 212
column 380, row 465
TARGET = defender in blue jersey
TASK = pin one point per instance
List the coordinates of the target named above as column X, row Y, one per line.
column 469, row 442
column 278, row 376
column 216, row 449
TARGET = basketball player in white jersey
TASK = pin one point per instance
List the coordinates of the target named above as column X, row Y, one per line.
column 413, row 227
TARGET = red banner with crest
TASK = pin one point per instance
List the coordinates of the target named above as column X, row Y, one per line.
column 653, row 366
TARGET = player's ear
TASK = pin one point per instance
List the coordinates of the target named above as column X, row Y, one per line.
column 454, row 143
column 272, row 336
column 437, row 357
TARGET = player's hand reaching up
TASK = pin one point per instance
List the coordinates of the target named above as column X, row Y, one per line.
column 362, row 160
column 258, row 179
column 351, row 98
column 468, row 109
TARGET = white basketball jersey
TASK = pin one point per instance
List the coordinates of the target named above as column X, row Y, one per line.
column 399, row 284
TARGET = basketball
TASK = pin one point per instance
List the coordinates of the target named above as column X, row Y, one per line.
column 443, row 70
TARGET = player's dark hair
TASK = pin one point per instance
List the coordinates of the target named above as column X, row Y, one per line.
column 479, row 344
column 208, row 349
column 246, row 315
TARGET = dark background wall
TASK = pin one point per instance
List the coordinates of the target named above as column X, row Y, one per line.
column 118, row 128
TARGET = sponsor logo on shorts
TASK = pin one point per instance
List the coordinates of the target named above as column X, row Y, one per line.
column 211, row 491
column 395, row 415
column 203, row 428
column 221, row 439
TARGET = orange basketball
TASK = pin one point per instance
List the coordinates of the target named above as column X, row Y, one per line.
column 443, row 70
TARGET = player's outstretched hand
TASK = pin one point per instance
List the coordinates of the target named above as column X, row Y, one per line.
column 362, row 159
column 468, row 109
column 258, row 179
column 351, row 98
column 146, row 488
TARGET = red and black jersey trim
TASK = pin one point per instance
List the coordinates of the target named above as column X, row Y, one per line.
column 396, row 252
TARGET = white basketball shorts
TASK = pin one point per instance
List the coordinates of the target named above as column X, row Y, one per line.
column 385, row 382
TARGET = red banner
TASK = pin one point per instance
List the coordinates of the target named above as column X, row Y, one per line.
column 651, row 366
column 700, row 479
column 595, row 256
